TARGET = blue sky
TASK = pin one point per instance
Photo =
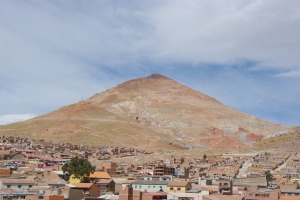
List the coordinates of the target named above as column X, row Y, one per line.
column 243, row 53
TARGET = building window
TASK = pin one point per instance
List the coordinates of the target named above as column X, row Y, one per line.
column 171, row 188
column 135, row 186
column 19, row 186
column 8, row 186
column 178, row 188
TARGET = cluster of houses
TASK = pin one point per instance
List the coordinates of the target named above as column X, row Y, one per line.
column 32, row 170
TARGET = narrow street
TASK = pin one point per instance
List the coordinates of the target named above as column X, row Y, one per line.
column 283, row 165
column 243, row 169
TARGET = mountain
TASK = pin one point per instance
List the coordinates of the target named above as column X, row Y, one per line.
column 155, row 111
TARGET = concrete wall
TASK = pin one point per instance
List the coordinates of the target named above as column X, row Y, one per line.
column 95, row 191
column 54, row 197
column 146, row 187
column 13, row 186
column 31, row 197
column 75, row 194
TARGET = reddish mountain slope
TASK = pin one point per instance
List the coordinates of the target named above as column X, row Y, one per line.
column 148, row 112
column 182, row 114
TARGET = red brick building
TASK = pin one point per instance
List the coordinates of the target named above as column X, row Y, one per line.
column 130, row 194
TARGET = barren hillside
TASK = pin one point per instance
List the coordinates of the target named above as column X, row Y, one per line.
column 182, row 114
column 149, row 112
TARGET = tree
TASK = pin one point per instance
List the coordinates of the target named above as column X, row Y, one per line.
column 269, row 177
column 129, row 169
column 79, row 168
column 204, row 156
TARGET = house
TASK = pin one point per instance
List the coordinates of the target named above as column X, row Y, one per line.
column 109, row 167
column 163, row 170
column 88, row 189
column 149, row 185
column 7, row 183
column 130, row 194
column 118, row 184
column 182, row 172
column 5, row 172
column 26, row 151
column 262, row 195
column 54, row 197
column 50, row 197
column 32, row 197
column 290, row 192
column 289, row 198
column 99, row 175
column 73, row 179
column 42, row 189
column 153, row 195
column 4, row 154
column 156, row 178
column 126, row 183
column 188, row 196
column 106, row 185
column 222, row 197
column 178, row 186
column 225, row 186
column 288, row 186
column 56, row 183
column 260, row 182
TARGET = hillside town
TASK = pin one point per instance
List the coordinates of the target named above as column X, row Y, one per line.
column 32, row 170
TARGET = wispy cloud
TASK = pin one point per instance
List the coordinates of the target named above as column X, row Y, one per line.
column 12, row 118
column 289, row 74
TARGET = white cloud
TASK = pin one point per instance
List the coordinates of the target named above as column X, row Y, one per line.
column 225, row 32
column 55, row 52
column 117, row 34
column 9, row 119
column 289, row 74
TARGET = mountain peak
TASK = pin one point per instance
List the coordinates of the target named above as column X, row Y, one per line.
column 157, row 76
column 156, row 107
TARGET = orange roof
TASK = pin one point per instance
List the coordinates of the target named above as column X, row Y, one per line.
column 100, row 175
